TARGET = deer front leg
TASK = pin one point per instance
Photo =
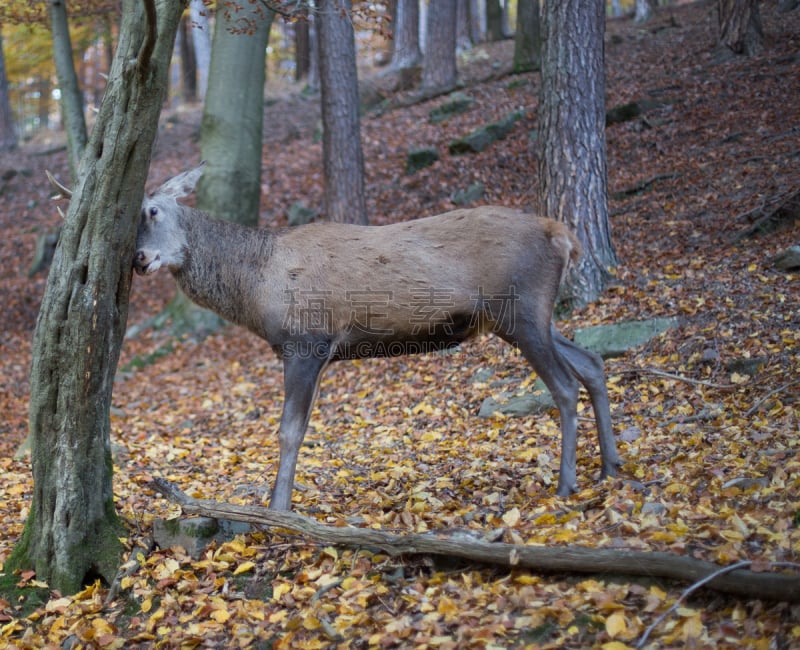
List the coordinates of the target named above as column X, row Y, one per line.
column 301, row 376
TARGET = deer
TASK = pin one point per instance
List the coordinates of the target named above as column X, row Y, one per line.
column 326, row 292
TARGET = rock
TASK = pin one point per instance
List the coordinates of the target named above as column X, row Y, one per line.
column 196, row 533
column 606, row 340
column 615, row 340
column 46, row 243
column 299, row 214
column 456, row 104
column 787, row 260
column 420, row 159
column 537, row 400
column 747, row 366
column 473, row 193
column 481, row 138
column 653, row 508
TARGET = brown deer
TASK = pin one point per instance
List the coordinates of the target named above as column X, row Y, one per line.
column 325, row 292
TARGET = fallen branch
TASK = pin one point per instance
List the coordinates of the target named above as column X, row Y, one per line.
column 572, row 559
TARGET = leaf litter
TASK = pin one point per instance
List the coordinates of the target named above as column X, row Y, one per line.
column 707, row 414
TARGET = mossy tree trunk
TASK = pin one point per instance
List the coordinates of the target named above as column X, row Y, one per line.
column 573, row 178
column 72, row 532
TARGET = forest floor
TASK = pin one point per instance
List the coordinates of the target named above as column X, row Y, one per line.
column 707, row 415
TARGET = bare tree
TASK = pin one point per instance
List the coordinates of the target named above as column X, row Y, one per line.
column 343, row 159
column 72, row 532
column 528, row 39
column 8, row 133
column 740, row 29
column 439, row 72
column 572, row 170
column 406, row 52
column 71, row 95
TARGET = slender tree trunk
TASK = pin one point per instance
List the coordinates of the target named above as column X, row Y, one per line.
column 201, row 37
column 343, row 159
column 406, row 53
column 740, row 28
column 572, row 168
column 494, row 21
column 8, row 132
column 233, row 117
column 71, row 96
column 188, row 62
column 72, row 532
column 528, row 40
column 439, row 72
column 302, row 46
column 463, row 31
column 644, row 11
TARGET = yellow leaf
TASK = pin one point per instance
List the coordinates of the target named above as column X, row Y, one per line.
column 281, row 589
column 331, row 551
column 615, row 645
column 220, row 615
column 244, row 567
column 147, row 605
column 511, row 518
column 616, row 624
column 737, row 378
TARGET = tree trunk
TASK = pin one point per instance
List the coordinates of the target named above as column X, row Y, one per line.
column 71, row 96
column 406, row 53
column 528, row 40
column 188, row 62
column 494, row 20
column 302, row 46
column 643, row 11
column 233, row 117
column 8, row 132
column 202, row 44
column 572, row 169
column 343, row 159
column 463, row 26
column 72, row 532
column 439, row 66
column 740, row 26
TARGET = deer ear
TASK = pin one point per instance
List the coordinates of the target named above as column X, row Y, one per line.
column 182, row 184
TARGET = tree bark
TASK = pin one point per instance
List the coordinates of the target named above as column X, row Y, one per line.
column 439, row 66
column 302, row 46
column 406, row 52
column 202, row 44
column 233, row 117
column 740, row 28
column 343, row 159
column 8, row 132
column 643, row 11
column 72, row 532
column 494, row 21
column 188, row 62
column 527, row 40
column 71, row 96
column 572, row 168
column 573, row 559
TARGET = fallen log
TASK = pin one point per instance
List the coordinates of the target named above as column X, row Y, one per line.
column 570, row 559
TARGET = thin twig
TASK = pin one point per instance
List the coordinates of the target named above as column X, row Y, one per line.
column 780, row 389
column 700, row 583
column 688, row 380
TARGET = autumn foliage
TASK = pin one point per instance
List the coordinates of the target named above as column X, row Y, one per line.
column 707, row 415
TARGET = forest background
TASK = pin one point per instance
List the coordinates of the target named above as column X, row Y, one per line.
column 706, row 414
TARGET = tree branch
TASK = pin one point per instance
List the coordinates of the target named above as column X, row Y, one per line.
column 146, row 53
column 575, row 559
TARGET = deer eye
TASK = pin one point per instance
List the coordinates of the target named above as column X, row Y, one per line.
column 153, row 212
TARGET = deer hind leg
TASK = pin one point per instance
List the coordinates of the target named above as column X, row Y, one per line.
column 588, row 367
column 537, row 347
